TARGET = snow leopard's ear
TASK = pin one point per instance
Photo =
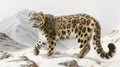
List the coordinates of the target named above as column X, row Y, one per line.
column 42, row 15
column 30, row 13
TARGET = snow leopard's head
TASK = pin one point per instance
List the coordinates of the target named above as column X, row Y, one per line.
column 36, row 19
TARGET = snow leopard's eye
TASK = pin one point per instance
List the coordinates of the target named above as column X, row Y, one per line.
column 37, row 19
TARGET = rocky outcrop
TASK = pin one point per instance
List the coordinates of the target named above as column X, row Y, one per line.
column 4, row 55
column 27, row 62
column 70, row 63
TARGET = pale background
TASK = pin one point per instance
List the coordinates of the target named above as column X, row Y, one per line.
column 106, row 11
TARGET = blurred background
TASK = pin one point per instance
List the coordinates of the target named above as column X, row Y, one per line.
column 107, row 12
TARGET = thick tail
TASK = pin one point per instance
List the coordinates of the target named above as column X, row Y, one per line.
column 97, row 44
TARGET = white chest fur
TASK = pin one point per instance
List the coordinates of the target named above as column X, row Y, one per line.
column 42, row 36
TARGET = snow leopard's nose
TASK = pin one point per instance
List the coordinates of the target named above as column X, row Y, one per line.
column 34, row 24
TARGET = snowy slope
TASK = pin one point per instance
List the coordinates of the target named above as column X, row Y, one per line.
column 91, row 60
column 114, row 36
column 8, row 44
column 17, row 27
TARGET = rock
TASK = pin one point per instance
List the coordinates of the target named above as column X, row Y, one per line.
column 70, row 63
column 4, row 55
column 24, row 58
column 57, row 53
column 4, row 36
column 29, row 63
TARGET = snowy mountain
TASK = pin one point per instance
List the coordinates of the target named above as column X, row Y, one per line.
column 8, row 44
column 17, row 27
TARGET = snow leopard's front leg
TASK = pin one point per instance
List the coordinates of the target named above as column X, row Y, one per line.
column 37, row 46
column 51, row 46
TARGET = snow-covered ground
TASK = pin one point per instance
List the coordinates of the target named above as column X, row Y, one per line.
column 91, row 60
column 18, row 29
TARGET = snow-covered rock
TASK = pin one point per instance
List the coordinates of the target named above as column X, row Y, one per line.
column 21, row 61
column 70, row 63
column 8, row 44
column 4, row 55
column 27, row 62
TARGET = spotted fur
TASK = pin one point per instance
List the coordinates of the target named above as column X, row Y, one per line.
column 81, row 26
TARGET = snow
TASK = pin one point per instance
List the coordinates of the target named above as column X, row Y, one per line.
column 91, row 60
column 8, row 44
column 18, row 29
